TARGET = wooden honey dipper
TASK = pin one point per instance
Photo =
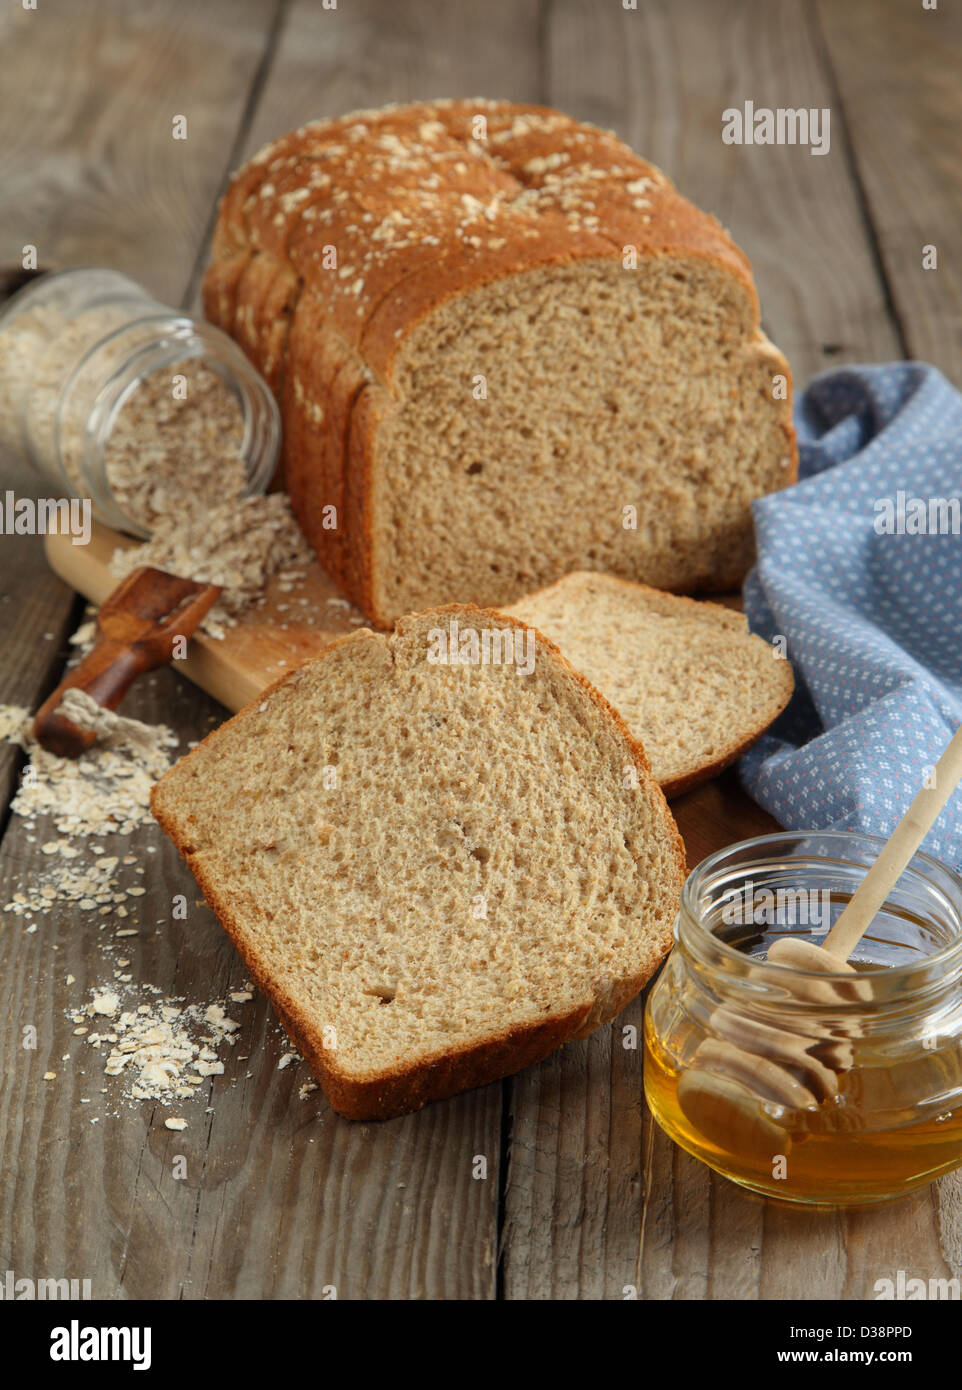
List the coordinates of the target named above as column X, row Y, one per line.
column 748, row 1064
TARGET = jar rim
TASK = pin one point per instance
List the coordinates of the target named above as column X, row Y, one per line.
column 40, row 283
column 772, row 971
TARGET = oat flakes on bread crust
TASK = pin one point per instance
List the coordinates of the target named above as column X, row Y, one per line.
column 355, row 907
column 610, row 382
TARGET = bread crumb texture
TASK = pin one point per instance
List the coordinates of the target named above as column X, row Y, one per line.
column 437, row 871
column 505, row 347
column 694, row 686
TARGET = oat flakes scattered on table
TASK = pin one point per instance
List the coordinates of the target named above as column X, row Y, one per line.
column 105, row 792
column 161, row 1048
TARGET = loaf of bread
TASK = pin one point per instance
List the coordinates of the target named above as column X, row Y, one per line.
column 505, row 347
column 694, row 686
column 438, row 866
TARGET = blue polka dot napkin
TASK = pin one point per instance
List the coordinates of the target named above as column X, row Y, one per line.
column 860, row 571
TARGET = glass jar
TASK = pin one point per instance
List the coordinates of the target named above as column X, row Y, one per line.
column 875, row 1057
column 116, row 397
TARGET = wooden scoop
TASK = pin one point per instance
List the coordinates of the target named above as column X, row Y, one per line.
column 136, row 630
column 748, row 1065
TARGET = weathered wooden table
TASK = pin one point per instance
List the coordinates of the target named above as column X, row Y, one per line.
column 584, row 1195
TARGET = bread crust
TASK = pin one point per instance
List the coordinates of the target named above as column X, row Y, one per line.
column 404, row 194
column 401, row 1090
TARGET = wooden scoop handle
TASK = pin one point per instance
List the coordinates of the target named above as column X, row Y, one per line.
column 896, row 853
column 105, row 674
column 136, row 630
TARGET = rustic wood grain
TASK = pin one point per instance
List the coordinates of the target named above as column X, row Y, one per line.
column 91, row 176
column 896, row 70
column 373, row 1211
column 37, row 615
column 281, row 1198
column 367, row 53
column 90, row 170
column 634, row 1211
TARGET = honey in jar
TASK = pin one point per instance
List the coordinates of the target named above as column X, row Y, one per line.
column 892, row 1118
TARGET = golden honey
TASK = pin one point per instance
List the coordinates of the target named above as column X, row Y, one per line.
column 896, row 1120
column 833, row 1156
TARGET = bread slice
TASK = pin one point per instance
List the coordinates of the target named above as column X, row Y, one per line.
column 437, row 872
column 689, row 679
column 504, row 347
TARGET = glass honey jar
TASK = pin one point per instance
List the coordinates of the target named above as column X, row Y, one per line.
column 832, row 1089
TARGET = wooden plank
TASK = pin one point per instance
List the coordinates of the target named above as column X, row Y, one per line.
column 90, row 170
column 321, row 1202
column 37, row 613
column 80, row 1186
column 92, row 176
column 598, row 1199
column 661, row 76
column 367, row 53
column 373, row 1210
column 703, row 1238
column 98, row 142
column 896, row 71
column 77, row 1196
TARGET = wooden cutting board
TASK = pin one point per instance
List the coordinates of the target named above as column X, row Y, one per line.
column 269, row 640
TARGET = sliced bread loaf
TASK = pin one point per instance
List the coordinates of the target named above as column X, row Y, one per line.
column 439, row 852
column 504, row 347
column 689, row 679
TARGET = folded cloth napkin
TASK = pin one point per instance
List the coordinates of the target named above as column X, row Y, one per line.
column 860, row 571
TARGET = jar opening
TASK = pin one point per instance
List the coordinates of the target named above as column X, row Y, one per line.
column 739, row 900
